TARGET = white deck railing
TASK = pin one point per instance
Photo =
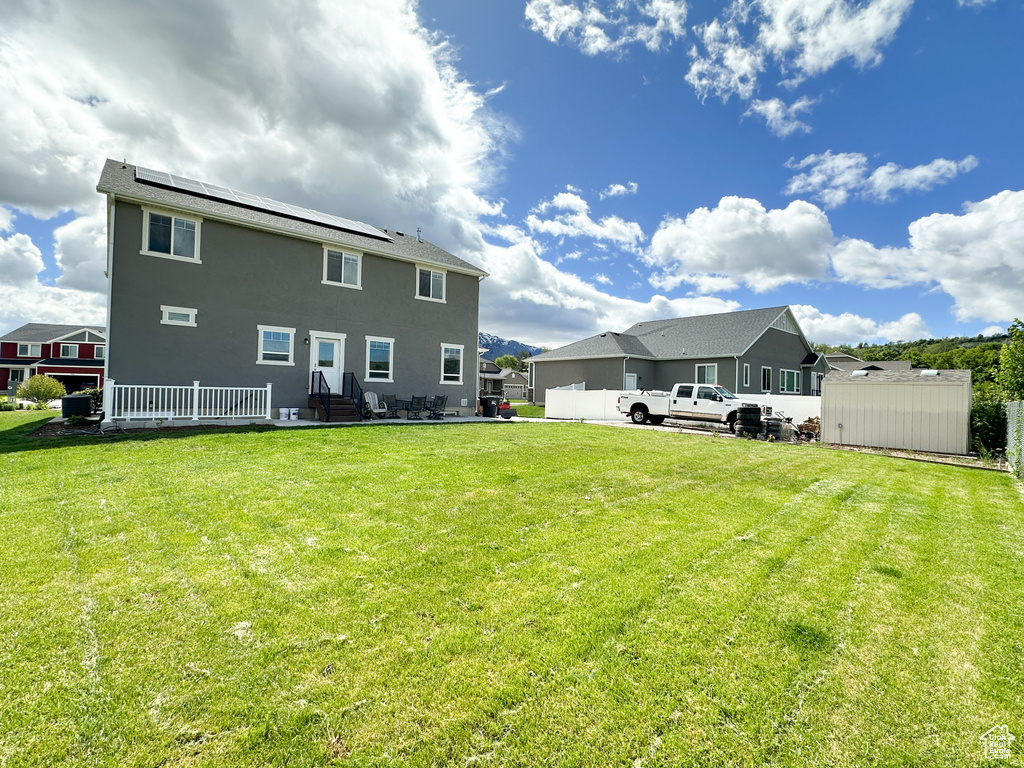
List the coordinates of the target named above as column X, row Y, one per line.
column 142, row 401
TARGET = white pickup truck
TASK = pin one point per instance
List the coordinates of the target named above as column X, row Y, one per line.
column 696, row 402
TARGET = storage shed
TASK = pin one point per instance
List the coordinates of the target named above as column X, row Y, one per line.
column 920, row 410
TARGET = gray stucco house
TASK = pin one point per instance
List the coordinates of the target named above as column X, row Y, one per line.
column 235, row 290
column 752, row 351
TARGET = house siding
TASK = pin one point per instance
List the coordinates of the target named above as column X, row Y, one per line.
column 777, row 350
column 247, row 278
column 605, row 373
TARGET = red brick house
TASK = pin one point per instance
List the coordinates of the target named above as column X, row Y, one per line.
column 72, row 354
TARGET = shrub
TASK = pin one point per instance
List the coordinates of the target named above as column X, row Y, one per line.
column 97, row 398
column 988, row 423
column 8, row 406
column 41, row 390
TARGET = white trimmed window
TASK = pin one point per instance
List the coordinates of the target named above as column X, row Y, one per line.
column 746, row 374
column 30, row 350
column 177, row 316
column 99, row 352
column 171, row 236
column 18, row 376
column 430, row 284
column 342, row 268
column 380, row 359
column 789, row 382
column 451, row 363
column 707, row 374
column 766, row 379
column 276, row 345
column 69, row 350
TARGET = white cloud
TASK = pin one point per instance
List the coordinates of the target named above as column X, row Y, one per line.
column 993, row 330
column 741, row 243
column 6, row 219
column 974, row 3
column 848, row 328
column 834, row 178
column 602, row 278
column 783, row 120
column 619, row 190
column 730, row 67
column 654, row 24
column 975, row 257
column 574, row 221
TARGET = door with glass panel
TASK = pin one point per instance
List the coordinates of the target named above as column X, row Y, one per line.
column 327, row 356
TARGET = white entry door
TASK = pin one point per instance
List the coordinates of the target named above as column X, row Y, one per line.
column 630, row 382
column 327, row 356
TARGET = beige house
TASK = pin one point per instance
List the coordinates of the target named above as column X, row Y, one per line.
column 920, row 410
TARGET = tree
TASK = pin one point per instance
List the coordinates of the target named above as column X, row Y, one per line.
column 41, row 389
column 1011, row 363
column 508, row 361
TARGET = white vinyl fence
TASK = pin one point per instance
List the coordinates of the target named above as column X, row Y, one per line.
column 1015, row 437
column 153, row 402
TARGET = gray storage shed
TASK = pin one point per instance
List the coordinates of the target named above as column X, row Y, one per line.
column 920, row 410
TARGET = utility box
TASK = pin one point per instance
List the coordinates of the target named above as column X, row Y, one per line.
column 75, row 405
column 918, row 410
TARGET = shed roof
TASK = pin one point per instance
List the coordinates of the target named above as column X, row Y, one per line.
column 890, row 377
column 119, row 180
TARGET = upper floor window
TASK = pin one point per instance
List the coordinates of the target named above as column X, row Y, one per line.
column 30, row 350
column 69, row 350
column 99, row 352
column 380, row 358
column 342, row 268
column 171, row 236
column 451, row 363
column 276, row 345
column 178, row 315
column 430, row 284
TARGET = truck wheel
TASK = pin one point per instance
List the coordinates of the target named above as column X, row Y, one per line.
column 657, row 420
column 638, row 415
column 732, row 423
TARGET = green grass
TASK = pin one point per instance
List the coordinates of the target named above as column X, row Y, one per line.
column 501, row 594
column 529, row 411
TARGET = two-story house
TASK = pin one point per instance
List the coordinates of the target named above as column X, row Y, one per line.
column 72, row 354
column 236, row 290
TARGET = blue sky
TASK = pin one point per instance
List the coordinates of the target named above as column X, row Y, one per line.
column 606, row 162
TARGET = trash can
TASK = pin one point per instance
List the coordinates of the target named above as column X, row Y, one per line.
column 490, row 406
column 75, row 405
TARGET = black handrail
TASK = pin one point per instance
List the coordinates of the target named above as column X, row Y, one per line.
column 350, row 388
column 319, row 389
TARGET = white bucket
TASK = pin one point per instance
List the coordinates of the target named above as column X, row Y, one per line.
column 293, row 414
column 284, row 413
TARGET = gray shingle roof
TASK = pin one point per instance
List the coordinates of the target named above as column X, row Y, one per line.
column 41, row 333
column 914, row 375
column 722, row 335
column 119, row 179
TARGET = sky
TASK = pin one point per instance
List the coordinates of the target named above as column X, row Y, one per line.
column 605, row 161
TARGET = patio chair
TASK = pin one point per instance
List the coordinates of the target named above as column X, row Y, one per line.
column 416, row 407
column 437, row 408
column 392, row 405
column 373, row 406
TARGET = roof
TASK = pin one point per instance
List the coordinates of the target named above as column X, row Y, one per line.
column 726, row 334
column 42, row 333
column 841, row 361
column 891, row 377
column 119, row 179
column 69, row 362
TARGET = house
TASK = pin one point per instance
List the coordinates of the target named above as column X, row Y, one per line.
column 920, row 410
column 748, row 352
column 240, row 292
column 72, row 354
column 840, row 361
column 503, row 382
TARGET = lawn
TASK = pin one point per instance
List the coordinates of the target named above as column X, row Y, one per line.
column 500, row 594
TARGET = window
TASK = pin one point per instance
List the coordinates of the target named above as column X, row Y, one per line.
column 171, row 237
column 706, row 393
column 69, row 350
column 17, row 376
column 342, row 268
column 99, row 352
column 380, row 357
column 766, row 379
column 746, row 374
column 177, row 316
column 684, row 392
column 789, row 382
column 451, row 363
column 276, row 345
column 429, row 284
column 707, row 374
column 30, row 350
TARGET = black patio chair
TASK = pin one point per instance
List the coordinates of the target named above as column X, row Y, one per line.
column 437, row 408
column 392, row 404
column 416, row 407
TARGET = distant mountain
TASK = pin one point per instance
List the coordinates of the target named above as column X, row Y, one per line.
column 497, row 346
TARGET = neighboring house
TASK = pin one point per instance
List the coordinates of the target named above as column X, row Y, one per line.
column 840, row 361
column 920, row 410
column 503, row 382
column 234, row 290
column 753, row 351
column 71, row 354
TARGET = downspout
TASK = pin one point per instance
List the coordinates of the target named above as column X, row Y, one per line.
column 736, row 388
column 109, row 274
column 624, row 371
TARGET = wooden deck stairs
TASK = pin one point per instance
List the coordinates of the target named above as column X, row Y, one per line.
column 343, row 409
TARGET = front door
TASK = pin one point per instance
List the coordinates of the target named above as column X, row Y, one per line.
column 327, row 356
column 630, row 382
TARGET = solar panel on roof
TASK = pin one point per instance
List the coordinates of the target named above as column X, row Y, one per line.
column 216, row 192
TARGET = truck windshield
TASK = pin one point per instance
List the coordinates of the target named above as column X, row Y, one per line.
column 725, row 393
